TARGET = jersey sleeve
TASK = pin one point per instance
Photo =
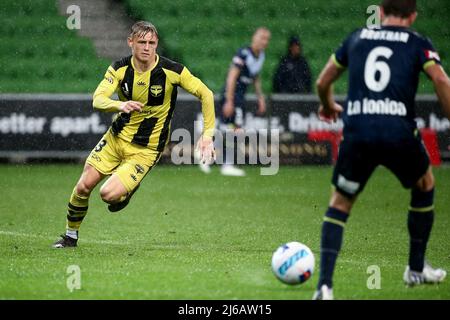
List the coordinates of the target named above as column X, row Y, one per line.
column 340, row 56
column 428, row 56
column 239, row 59
column 196, row 87
column 102, row 95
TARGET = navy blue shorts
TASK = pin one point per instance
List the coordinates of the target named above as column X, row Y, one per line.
column 357, row 160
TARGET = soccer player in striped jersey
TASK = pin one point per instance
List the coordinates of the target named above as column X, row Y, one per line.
column 379, row 129
column 245, row 70
column 146, row 84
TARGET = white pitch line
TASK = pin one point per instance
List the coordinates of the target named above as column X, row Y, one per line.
column 20, row 234
column 84, row 240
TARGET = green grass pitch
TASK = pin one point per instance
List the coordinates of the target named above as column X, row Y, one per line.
column 186, row 235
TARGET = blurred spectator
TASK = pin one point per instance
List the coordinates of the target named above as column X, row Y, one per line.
column 293, row 74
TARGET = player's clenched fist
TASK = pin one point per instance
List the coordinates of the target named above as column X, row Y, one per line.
column 330, row 114
column 228, row 109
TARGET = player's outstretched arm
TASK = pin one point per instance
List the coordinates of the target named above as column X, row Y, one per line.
column 260, row 94
column 196, row 87
column 205, row 144
column 329, row 110
column 233, row 75
column 441, row 86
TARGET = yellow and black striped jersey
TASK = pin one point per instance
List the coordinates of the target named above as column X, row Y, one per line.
column 156, row 89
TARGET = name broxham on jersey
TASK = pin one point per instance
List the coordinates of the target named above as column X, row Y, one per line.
column 383, row 71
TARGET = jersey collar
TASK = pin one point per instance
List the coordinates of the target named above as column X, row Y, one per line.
column 151, row 69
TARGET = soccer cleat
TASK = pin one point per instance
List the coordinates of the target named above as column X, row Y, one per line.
column 114, row 207
column 428, row 275
column 65, row 242
column 324, row 293
column 205, row 168
column 230, row 170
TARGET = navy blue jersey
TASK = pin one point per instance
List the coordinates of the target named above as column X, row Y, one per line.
column 250, row 66
column 383, row 70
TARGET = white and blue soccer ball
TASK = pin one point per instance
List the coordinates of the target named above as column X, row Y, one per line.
column 293, row 263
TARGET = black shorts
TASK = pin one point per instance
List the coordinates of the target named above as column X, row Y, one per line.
column 357, row 160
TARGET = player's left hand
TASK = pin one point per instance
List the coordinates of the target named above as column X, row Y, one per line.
column 205, row 146
column 331, row 114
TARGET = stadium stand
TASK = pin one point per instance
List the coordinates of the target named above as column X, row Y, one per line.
column 39, row 54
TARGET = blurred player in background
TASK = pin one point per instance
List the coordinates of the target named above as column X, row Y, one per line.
column 146, row 85
column 245, row 70
column 379, row 129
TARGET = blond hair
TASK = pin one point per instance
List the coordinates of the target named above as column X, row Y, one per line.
column 141, row 28
column 262, row 29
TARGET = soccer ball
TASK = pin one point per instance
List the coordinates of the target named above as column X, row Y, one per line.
column 293, row 263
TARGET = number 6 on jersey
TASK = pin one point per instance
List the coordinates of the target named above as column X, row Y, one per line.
column 373, row 65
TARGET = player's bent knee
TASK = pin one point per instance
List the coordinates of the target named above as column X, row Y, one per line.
column 428, row 185
column 341, row 202
column 426, row 182
column 109, row 195
column 89, row 179
column 83, row 188
column 113, row 191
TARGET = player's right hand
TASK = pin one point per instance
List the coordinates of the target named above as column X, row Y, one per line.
column 205, row 149
column 129, row 106
column 331, row 114
column 228, row 109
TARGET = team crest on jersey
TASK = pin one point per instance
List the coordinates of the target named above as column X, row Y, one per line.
column 139, row 169
column 156, row 90
column 110, row 79
column 141, row 83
